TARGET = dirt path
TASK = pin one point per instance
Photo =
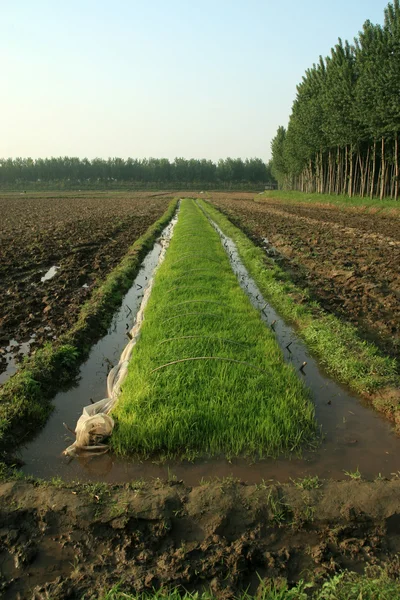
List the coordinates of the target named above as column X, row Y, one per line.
column 62, row 543
column 348, row 259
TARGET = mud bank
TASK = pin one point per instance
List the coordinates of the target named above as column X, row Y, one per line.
column 64, row 542
column 25, row 398
column 347, row 259
column 56, row 249
column 354, row 436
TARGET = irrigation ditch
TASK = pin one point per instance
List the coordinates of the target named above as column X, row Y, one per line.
column 353, row 437
column 25, row 399
column 146, row 515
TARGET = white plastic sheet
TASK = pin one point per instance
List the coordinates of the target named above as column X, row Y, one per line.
column 95, row 424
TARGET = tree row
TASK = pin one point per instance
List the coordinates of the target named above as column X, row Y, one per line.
column 151, row 170
column 343, row 132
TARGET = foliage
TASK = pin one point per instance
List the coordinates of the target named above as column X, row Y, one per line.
column 147, row 170
column 345, row 105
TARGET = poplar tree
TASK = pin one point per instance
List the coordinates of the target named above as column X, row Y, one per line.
column 344, row 127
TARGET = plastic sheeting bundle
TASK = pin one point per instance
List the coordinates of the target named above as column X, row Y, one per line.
column 95, row 424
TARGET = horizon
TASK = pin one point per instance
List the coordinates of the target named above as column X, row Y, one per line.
column 160, row 81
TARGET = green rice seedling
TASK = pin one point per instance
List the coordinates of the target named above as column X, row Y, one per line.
column 340, row 350
column 207, row 377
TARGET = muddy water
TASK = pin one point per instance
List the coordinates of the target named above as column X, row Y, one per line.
column 42, row 456
column 15, row 351
column 13, row 354
column 353, row 435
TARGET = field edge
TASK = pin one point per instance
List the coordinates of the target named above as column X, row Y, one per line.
column 219, row 535
column 340, row 351
column 25, row 398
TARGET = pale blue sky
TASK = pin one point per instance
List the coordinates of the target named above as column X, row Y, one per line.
column 211, row 78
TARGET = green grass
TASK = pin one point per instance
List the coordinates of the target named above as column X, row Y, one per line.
column 337, row 200
column 340, row 350
column 238, row 396
column 25, row 399
column 375, row 585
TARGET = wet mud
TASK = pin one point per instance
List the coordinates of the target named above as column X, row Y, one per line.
column 72, row 542
column 347, row 257
column 54, row 250
column 213, row 524
column 353, row 436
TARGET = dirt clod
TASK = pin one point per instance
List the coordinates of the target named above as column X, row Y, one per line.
column 54, row 543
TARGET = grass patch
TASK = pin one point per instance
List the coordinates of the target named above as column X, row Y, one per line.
column 308, row 483
column 341, row 352
column 207, row 377
column 375, row 584
column 25, row 398
column 337, row 200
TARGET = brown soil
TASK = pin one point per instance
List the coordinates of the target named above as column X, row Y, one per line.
column 62, row 543
column 347, row 257
column 86, row 235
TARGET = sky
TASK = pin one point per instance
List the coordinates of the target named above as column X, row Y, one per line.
column 194, row 79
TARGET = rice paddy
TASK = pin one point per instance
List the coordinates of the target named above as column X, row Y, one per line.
column 207, row 377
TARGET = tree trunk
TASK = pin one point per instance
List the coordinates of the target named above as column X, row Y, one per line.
column 364, row 176
column 372, row 188
column 338, row 171
column 345, row 173
column 383, row 170
column 361, row 167
column 355, row 177
column 350, row 186
column 396, row 167
column 321, row 160
column 392, row 181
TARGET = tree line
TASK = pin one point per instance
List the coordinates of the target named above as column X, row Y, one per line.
column 148, row 170
column 342, row 136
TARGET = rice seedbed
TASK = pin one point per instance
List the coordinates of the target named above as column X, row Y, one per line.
column 207, row 377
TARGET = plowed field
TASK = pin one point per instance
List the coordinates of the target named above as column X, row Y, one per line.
column 348, row 257
column 84, row 235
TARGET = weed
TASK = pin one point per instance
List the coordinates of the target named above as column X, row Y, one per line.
column 308, row 483
column 75, row 566
column 97, row 491
column 353, row 474
column 337, row 200
column 57, row 482
column 373, row 585
column 309, row 513
column 278, row 508
column 171, row 477
column 137, row 485
column 117, row 508
column 263, row 485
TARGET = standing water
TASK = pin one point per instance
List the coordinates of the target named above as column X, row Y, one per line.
column 354, row 436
